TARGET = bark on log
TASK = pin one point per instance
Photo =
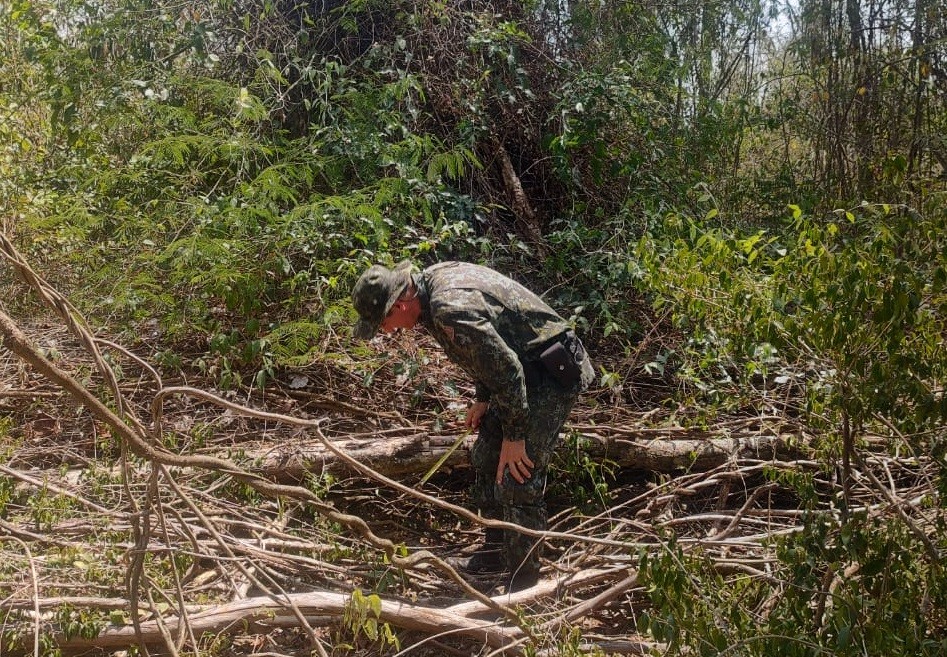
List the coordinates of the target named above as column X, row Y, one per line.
column 325, row 608
column 415, row 454
column 262, row 615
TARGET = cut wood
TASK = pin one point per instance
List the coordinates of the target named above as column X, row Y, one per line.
column 261, row 615
column 415, row 454
column 325, row 608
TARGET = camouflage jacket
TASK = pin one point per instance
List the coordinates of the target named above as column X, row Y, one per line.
column 488, row 325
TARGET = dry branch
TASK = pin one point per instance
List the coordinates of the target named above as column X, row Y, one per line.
column 529, row 223
column 142, row 442
column 720, row 501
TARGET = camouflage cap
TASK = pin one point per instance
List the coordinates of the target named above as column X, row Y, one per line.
column 375, row 293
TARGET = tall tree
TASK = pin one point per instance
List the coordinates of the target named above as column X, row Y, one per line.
column 875, row 84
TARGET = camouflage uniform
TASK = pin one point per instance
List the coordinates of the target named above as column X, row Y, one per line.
column 495, row 329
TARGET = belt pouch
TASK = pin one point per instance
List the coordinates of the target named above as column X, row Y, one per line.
column 561, row 365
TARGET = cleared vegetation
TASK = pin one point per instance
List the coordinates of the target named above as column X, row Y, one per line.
column 740, row 206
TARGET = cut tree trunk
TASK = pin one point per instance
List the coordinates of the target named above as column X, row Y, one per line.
column 327, row 608
column 658, row 450
column 261, row 615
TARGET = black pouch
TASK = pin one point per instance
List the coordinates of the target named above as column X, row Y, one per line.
column 561, row 364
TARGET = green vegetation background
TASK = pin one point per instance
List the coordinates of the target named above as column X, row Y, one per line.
column 759, row 185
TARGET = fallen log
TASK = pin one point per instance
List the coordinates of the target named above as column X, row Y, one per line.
column 326, row 608
column 263, row 614
column 669, row 451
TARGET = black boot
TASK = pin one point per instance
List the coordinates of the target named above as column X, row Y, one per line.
column 488, row 558
column 524, row 563
column 524, row 577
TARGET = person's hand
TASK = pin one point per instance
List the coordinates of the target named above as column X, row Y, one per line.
column 513, row 455
column 474, row 413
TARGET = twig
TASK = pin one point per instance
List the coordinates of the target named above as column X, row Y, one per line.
column 316, row 643
column 403, row 562
column 185, row 629
column 72, row 318
column 264, row 612
column 898, row 505
column 28, row 394
column 743, row 509
column 32, row 481
column 37, row 619
column 590, row 605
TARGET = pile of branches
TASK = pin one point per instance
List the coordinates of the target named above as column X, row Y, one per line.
column 140, row 513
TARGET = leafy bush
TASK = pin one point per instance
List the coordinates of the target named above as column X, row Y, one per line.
column 178, row 200
column 848, row 309
column 850, row 306
column 866, row 586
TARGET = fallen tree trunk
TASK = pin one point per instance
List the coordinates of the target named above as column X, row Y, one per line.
column 263, row 614
column 327, row 608
column 660, row 450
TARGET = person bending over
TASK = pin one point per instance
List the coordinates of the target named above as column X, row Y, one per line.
column 528, row 368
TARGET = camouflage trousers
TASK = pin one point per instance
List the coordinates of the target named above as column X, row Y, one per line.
column 523, row 504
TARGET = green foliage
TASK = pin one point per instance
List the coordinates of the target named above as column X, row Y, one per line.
column 579, row 477
column 849, row 310
column 690, row 603
column 603, row 275
column 296, row 343
column 497, row 46
column 195, row 208
column 871, row 295
column 876, row 573
column 47, row 508
column 850, row 589
column 612, row 126
column 78, row 623
column 361, row 617
column 7, row 492
column 320, row 482
column 7, row 442
column 852, row 307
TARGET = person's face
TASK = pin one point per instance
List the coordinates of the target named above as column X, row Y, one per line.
column 403, row 315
